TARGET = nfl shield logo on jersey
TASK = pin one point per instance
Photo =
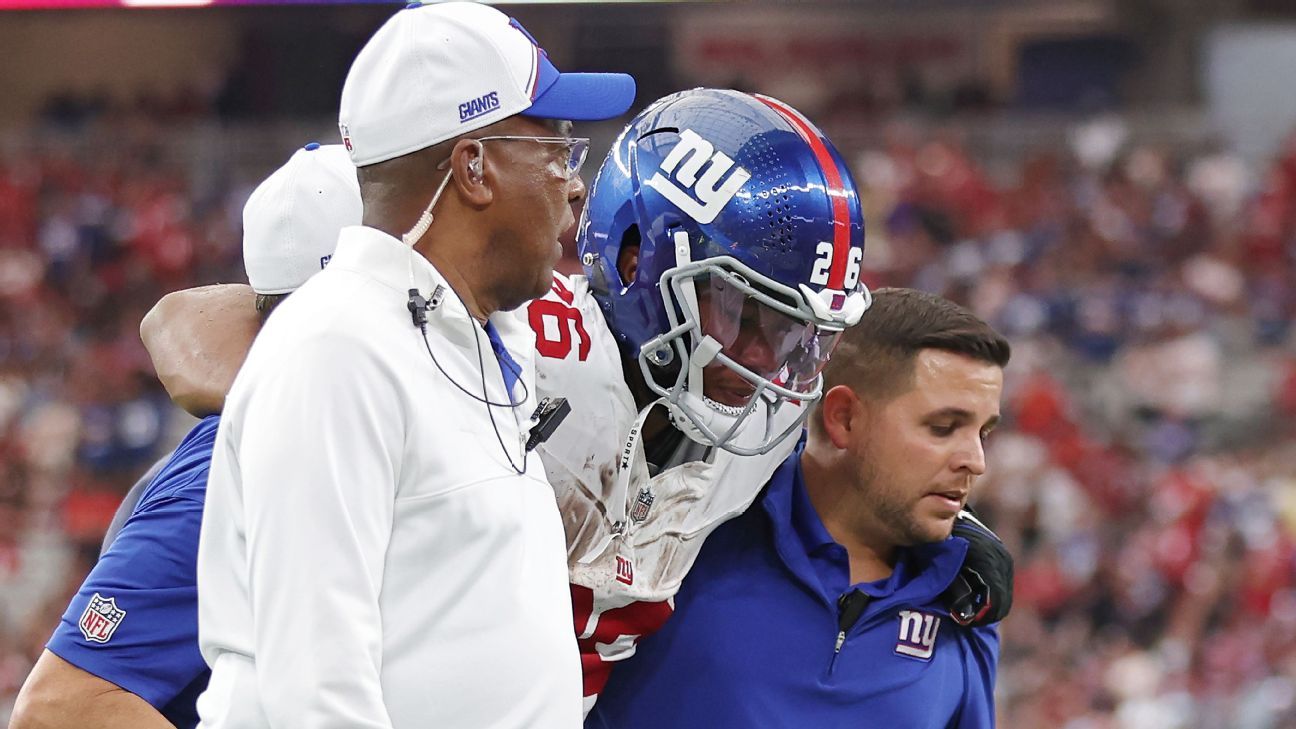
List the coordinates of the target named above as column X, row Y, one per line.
column 642, row 504
column 100, row 619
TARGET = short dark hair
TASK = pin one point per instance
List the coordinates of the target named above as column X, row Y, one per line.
column 875, row 358
column 266, row 303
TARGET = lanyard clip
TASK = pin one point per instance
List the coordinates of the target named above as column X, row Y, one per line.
column 548, row 415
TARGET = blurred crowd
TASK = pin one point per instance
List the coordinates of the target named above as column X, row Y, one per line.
column 91, row 235
column 1145, row 476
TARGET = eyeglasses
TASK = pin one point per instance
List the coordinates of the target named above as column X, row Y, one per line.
column 577, row 149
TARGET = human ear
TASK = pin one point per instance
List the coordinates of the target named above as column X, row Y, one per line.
column 628, row 263
column 842, row 413
column 472, row 175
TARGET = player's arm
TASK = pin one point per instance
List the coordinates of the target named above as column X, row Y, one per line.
column 145, row 655
column 58, row 695
column 127, row 506
column 198, row 339
column 318, row 450
column 982, row 592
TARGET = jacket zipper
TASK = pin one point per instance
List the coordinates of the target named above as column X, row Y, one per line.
column 850, row 607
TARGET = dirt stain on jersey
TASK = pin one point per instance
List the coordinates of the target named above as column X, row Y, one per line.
column 584, row 513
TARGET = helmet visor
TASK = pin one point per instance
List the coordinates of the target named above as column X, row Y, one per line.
column 760, row 332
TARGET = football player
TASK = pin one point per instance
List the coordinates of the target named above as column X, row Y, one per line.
column 721, row 245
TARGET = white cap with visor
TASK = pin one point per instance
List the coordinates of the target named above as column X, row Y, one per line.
column 437, row 71
column 292, row 219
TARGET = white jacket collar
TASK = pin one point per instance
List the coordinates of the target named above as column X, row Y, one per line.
column 387, row 260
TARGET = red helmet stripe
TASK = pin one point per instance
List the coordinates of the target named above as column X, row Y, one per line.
column 836, row 188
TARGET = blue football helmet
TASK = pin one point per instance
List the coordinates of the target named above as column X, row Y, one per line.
column 750, row 237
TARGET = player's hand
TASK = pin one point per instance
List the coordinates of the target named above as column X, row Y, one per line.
column 982, row 593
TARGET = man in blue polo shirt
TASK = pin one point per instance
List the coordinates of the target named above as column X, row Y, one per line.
column 126, row 651
column 820, row 606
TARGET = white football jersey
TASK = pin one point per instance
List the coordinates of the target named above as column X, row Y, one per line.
column 630, row 542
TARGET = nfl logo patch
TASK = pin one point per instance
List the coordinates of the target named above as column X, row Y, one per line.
column 642, row 504
column 100, row 619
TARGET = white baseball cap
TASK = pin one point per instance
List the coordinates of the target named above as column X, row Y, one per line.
column 433, row 72
column 292, row 219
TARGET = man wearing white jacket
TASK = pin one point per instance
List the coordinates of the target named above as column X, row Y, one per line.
column 378, row 550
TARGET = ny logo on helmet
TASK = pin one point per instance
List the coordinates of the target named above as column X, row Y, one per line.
column 712, row 189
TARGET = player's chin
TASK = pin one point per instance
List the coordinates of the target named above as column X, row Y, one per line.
column 727, row 388
column 730, row 398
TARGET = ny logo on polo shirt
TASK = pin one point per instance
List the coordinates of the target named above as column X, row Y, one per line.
column 100, row 619
column 917, row 634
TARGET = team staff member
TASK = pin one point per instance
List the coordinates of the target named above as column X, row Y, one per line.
column 377, row 548
column 126, row 652
column 819, row 606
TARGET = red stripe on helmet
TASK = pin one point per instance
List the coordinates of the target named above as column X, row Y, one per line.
column 836, row 188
